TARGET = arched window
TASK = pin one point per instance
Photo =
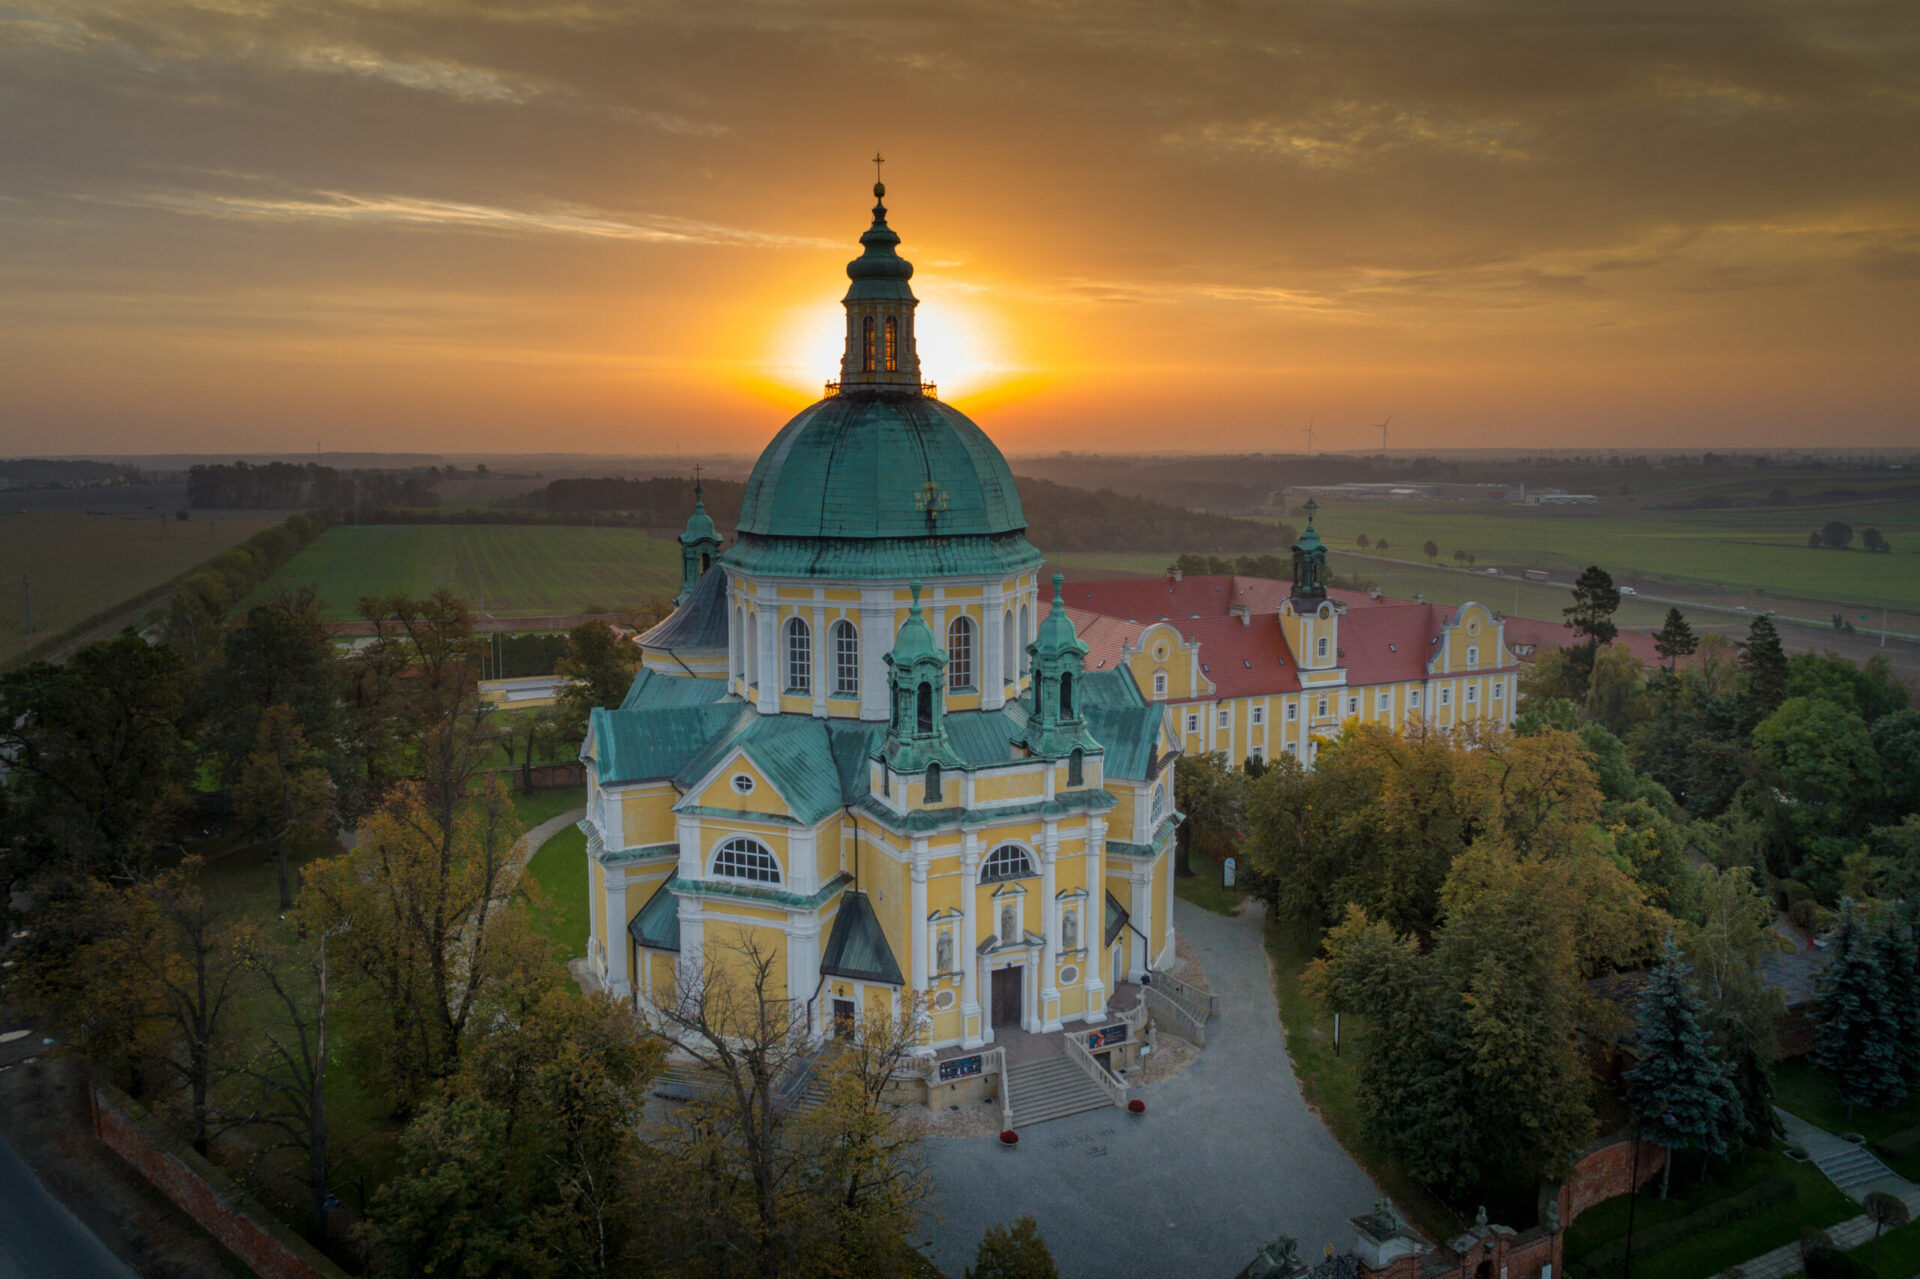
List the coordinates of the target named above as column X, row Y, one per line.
column 799, row 656
column 1026, row 638
column 1160, row 801
column 1006, row 862
column 706, row 562
column 753, row 648
column 740, row 642
column 923, row 715
column 1320, row 648
column 866, row 345
column 933, row 783
column 1076, row 768
column 893, row 345
column 1007, row 647
column 748, row 859
column 1066, row 694
column 846, row 659
column 960, row 653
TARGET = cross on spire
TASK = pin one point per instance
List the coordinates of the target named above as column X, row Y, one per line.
column 878, row 160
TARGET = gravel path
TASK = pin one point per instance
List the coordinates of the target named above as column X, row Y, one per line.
column 1226, row 1157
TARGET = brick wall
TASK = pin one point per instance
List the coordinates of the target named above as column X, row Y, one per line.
column 1607, row 1170
column 205, row 1193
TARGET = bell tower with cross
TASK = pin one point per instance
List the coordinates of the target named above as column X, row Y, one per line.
column 880, row 347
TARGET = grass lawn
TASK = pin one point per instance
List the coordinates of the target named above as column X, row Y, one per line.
column 1897, row 1256
column 1816, row 1203
column 559, row 866
column 500, row 570
column 547, row 803
column 82, row 565
column 1205, row 890
column 1800, row 1088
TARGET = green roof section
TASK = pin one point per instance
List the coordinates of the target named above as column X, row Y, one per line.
column 658, row 923
column 883, row 558
column 700, row 524
column 857, row 947
column 880, row 463
column 654, row 745
column 651, row 689
column 1123, row 722
column 698, row 625
column 880, row 272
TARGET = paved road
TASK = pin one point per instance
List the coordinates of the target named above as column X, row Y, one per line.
column 39, row 1237
column 1226, row 1157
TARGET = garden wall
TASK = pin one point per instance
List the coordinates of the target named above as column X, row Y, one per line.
column 205, row 1193
column 1606, row 1170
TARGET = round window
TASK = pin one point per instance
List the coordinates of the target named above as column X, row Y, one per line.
column 1159, row 652
column 1069, row 975
column 1473, row 627
column 943, row 1001
column 743, row 783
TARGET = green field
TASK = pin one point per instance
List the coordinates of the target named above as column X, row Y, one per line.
column 1762, row 550
column 499, row 570
column 83, row 566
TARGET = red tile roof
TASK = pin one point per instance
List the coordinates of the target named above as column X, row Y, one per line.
column 1388, row 643
column 1532, row 634
column 1148, row 599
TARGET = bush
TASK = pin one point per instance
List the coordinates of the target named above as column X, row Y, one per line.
column 1609, row 1257
column 1805, row 915
column 1831, row 1263
column 1904, row 1144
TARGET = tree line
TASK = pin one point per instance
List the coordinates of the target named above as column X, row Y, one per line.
column 279, row 485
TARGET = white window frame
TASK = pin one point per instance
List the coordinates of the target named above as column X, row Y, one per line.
column 1473, row 694
column 1321, row 706
column 996, row 869
column 846, row 659
column 1259, row 715
column 961, row 643
column 1446, row 695
column 1413, row 699
column 1193, row 722
column 1499, row 690
column 1293, row 711
column 1353, row 704
column 1320, row 649
column 799, row 656
column 1383, row 702
column 1159, row 683
column 1473, row 657
column 1224, row 719
column 741, row 859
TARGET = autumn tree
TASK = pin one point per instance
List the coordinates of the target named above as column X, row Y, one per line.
column 600, row 665
column 1013, row 1252
column 419, row 906
column 1212, row 795
column 1725, row 947
column 285, row 792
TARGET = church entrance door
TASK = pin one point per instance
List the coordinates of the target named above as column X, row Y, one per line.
column 1007, row 984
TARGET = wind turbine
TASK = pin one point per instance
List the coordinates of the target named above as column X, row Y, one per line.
column 1307, row 431
column 1383, row 432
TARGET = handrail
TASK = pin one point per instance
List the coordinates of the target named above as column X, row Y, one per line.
column 1115, row 1090
column 999, row 1055
column 1179, row 1020
column 1202, row 1004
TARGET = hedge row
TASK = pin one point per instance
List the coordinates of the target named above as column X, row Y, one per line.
column 1609, row 1257
column 210, row 592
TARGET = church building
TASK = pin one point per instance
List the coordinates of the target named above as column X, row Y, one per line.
column 868, row 741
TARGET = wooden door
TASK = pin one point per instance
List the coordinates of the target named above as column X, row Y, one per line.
column 1007, row 984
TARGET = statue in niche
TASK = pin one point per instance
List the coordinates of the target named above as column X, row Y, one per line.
column 1069, row 930
column 1007, row 923
column 943, row 952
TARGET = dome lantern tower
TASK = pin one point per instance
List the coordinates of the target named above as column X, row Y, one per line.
column 699, row 545
column 880, row 305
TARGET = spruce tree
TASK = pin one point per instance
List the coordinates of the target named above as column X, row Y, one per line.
column 1675, row 639
column 1590, row 616
column 1766, row 666
column 1679, row 1089
column 1858, row 1022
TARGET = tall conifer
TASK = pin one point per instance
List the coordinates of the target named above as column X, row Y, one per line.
column 1858, row 1020
column 1679, row 1090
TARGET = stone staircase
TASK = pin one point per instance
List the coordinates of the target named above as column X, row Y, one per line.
column 1051, row 1088
column 1850, row 1166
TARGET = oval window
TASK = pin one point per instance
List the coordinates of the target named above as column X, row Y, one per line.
column 743, row 783
column 943, row 1001
column 1069, row 975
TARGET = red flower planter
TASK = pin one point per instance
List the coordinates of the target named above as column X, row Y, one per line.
column 1009, row 1138
column 1137, row 1106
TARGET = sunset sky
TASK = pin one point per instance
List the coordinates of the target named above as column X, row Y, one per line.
column 617, row 227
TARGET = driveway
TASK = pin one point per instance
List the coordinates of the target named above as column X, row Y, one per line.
column 1226, row 1157
column 39, row 1237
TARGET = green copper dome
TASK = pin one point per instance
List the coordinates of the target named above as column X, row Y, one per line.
column 699, row 525
column 881, row 483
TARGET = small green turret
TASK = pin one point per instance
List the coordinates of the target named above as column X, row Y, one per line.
column 1056, row 726
column 917, row 680
column 699, row 546
column 1310, row 561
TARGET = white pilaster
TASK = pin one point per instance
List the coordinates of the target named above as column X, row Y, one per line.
column 993, row 625
column 1049, row 1010
column 919, row 923
column 822, row 654
column 803, row 862
column 803, row 964
column 769, row 637
column 1093, row 930
column 619, row 980
column 969, row 944
column 876, row 641
column 692, row 942
column 1141, row 909
column 687, row 830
